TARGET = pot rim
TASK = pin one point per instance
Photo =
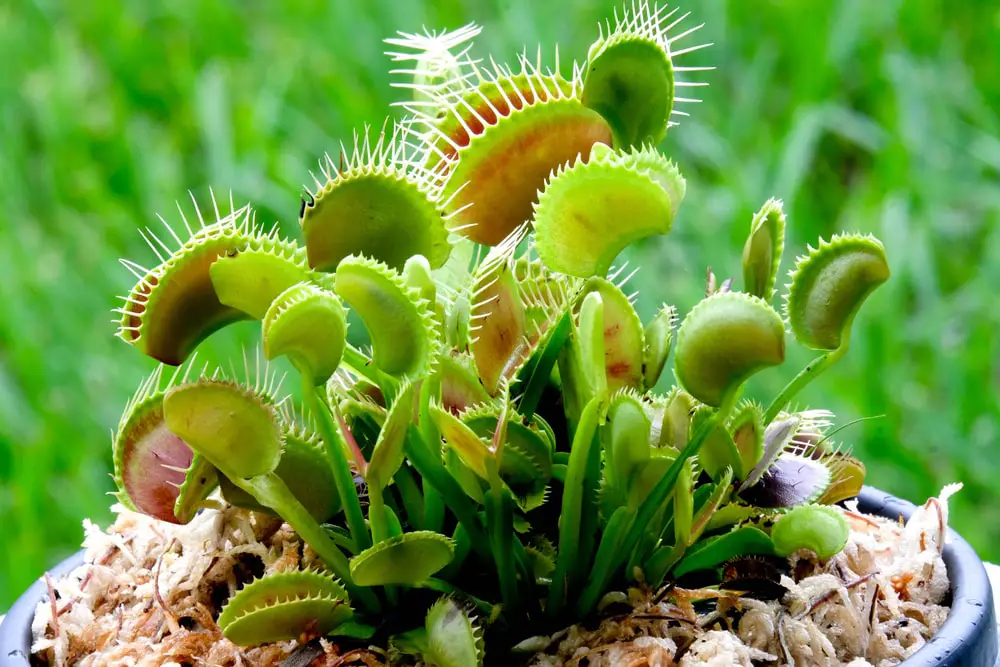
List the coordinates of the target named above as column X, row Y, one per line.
column 968, row 637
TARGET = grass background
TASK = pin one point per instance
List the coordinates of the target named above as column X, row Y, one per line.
column 871, row 115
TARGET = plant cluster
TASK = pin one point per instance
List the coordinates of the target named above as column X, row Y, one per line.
column 498, row 461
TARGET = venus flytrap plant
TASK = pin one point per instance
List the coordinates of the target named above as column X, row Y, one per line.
column 502, row 443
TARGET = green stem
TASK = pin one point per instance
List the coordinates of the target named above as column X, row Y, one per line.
column 272, row 492
column 341, row 468
column 542, row 371
column 362, row 366
column 376, row 514
column 433, row 471
column 413, row 500
column 433, row 502
column 665, row 487
column 572, row 506
column 462, row 548
column 618, row 524
column 500, row 522
column 662, row 560
column 433, row 509
column 805, row 376
column 340, row 537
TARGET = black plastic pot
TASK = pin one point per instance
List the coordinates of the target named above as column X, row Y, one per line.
column 967, row 639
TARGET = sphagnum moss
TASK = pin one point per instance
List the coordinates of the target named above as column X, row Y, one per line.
column 504, row 424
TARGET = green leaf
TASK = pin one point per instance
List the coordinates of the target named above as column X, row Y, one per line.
column 658, row 336
column 848, row 478
column 200, row 480
column 470, row 448
column 684, row 504
column 820, row 529
column 720, row 492
column 723, row 341
column 762, row 252
column 624, row 340
column 387, row 456
column 283, row 606
column 675, row 427
column 575, row 506
column 406, row 559
column 747, row 429
column 234, row 428
column 591, row 210
column 719, row 452
column 453, row 640
column 306, row 468
column 374, row 206
column 401, row 324
column 829, row 285
column 249, row 280
column 173, row 307
column 628, row 428
column 309, row 326
column 630, row 79
column 715, row 551
column 591, row 332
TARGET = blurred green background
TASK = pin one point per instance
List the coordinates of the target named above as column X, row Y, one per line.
column 870, row 115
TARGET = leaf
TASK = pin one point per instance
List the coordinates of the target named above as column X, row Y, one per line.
column 306, row 469
column 790, row 480
column 387, row 456
column 658, row 335
column 628, row 430
column 747, row 429
column 715, row 551
column 309, row 326
column 498, row 325
column 719, row 452
column 724, row 340
column 762, row 252
column 151, row 462
column 829, row 285
column 630, row 82
column 820, row 529
column 470, row 448
column 200, row 480
column 848, row 479
column 249, row 280
column 591, row 332
column 234, row 428
column 675, row 427
column 684, row 504
column 173, row 307
column 591, row 210
column 453, row 640
column 624, row 340
column 497, row 142
column 401, row 324
column 283, row 607
column 375, row 206
column 407, row 559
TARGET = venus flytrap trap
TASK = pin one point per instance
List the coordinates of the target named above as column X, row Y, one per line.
column 501, row 443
